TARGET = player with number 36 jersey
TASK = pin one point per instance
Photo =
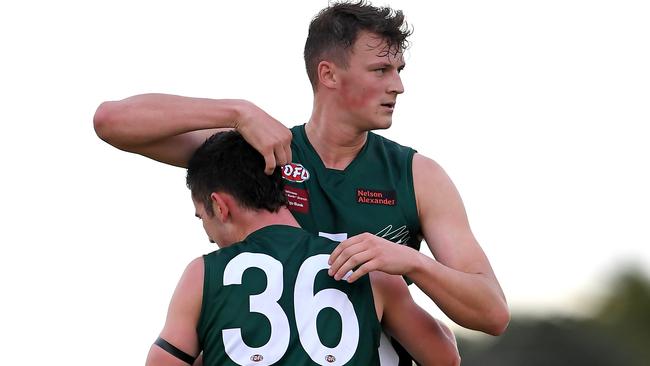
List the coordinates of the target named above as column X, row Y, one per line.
column 265, row 297
column 301, row 315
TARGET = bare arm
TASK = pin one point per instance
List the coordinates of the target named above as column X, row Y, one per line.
column 182, row 318
column 426, row 339
column 460, row 281
column 169, row 128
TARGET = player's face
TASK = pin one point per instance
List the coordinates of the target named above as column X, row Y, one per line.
column 371, row 82
column 211, row 224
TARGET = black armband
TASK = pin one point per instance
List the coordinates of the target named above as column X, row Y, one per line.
column 174, row 351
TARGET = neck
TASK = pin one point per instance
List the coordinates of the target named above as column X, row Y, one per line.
column 255, row 220
column 334, row 137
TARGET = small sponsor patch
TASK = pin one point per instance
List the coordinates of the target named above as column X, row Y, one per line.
column 374, row 197
column 297, row 199
column 330, row 358
column 257, row 358
column 295, row 173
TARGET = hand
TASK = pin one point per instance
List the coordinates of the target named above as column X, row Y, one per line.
column 370, row 253
column 268, row 136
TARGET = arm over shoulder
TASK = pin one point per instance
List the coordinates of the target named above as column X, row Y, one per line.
column 169, row 128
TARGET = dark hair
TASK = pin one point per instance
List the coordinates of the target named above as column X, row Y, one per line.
column 334, row 30
column 227, row 163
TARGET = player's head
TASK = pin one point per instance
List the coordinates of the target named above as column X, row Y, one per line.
column 335, row 29
column 227, row 163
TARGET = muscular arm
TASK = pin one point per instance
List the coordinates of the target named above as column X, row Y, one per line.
column 460, row 280
column 169, row 128
column 182, row 318
column 426, row 339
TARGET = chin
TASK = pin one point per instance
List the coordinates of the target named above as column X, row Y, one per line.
column 376, row 123
column 382, row 125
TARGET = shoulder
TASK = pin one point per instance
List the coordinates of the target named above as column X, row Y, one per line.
column 427, row 172
column 388, row 143
column 425, row 165
column 195, row 267
column 433, row 187
column 191, row 283
column 396, row 155
column 328, row 244
column 185, row 305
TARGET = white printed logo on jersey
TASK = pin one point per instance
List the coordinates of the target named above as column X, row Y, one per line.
column 295, row 172
column 399, row 235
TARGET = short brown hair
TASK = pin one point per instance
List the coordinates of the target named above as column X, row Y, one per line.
column 334, row 30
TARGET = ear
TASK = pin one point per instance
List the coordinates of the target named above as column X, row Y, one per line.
column 220, row 206
column 327, row 74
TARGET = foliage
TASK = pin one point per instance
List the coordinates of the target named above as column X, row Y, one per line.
column 618, row 333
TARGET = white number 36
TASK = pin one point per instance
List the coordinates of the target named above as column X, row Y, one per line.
column 307, row 305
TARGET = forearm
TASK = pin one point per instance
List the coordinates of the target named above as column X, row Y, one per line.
column 145, row 119
column 473, row 300
column 429, row 341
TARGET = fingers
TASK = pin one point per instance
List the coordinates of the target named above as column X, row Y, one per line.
column 363, row 270
column 365, row 252
column 276, row 156
column 342, row 246
column 287, row 152
column 349, row 254
column 280, row 155
column 356, row 260
column 268, row 136
column 269, row 162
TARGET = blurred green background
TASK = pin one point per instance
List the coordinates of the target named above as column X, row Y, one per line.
column 615, row 332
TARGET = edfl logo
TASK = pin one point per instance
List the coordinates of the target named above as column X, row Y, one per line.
column 295, row 173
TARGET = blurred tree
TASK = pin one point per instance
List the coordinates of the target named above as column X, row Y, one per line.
column 618, row 333
column 547, row 342
column 625, row 311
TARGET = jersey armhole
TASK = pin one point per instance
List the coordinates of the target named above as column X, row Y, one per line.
column 412, row 209
column 206, row 279
column 377, row 323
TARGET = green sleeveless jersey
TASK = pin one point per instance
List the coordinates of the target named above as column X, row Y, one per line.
column 268, row 300
column 373, row 194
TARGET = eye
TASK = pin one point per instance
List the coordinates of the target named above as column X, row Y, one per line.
column 380, row 71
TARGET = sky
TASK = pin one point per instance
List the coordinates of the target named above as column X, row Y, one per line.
column 536, row 110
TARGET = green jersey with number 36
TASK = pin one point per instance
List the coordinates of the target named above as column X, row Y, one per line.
column 268, row 300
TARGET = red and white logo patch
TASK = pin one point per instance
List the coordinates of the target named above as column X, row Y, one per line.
column 295, row 173
column 297, row 199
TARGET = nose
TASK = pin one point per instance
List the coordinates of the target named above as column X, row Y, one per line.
column 396, row 85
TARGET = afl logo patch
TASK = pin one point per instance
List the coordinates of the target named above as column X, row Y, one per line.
column 295, row 173
column 330, row 358
column 257, row 358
